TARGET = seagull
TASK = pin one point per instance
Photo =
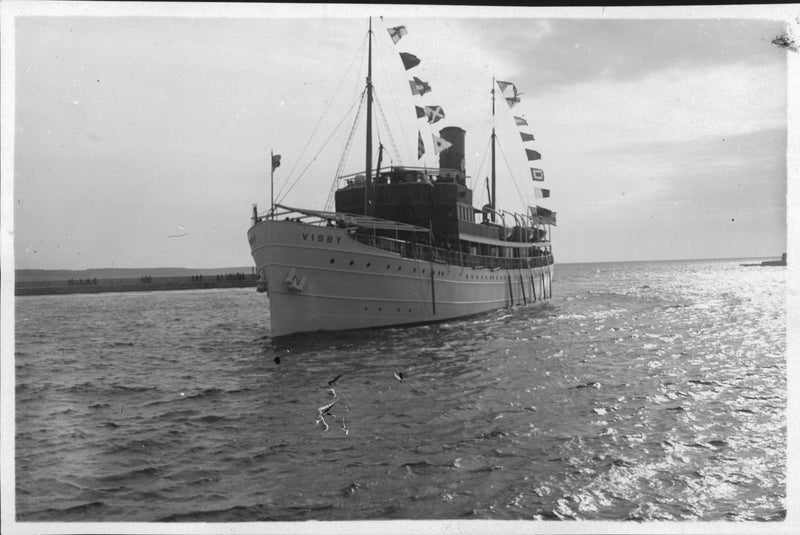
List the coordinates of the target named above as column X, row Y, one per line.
column 330, row 383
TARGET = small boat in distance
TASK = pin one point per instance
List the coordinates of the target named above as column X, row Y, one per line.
column 404, row 244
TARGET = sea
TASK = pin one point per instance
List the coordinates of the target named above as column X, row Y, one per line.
column 642, row 391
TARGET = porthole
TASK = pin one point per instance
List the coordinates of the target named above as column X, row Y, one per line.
column 388, row 266
column 351, row 262
column 369, row 264
column 333, row 260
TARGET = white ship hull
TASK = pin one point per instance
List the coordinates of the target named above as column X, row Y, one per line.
column 321, row 279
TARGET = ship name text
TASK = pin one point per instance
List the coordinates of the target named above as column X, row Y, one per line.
column 321, row 238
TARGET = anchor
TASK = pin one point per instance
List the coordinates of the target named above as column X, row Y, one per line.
column 295, row 282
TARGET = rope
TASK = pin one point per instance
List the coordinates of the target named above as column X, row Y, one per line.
column 359, row 52
column 394, row 101
column 345, row 152
column 388, row 131
column 317, row 154
column 513, row 179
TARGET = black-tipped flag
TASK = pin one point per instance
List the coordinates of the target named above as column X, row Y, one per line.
column 503, row 86
column 526, row 137
column 409, row 60
column 520, row 121
column 541, row 193
column 276, row 161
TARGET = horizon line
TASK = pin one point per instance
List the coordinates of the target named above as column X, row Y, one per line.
column 556, row 263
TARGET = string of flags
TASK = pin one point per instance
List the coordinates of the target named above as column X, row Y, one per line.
column 512, row 97
column 432, row 114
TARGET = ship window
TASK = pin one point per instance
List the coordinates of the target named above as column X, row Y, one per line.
column 388, row 266
column 351, row 262
column 369, row 264
column 399, row 268
column 379, row 309
column 333, row 260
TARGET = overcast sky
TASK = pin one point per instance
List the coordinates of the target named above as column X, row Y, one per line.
column 143, row 141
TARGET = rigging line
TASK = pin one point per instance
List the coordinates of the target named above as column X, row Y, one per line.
column 395, row 105
column 359, row 53
column 513, row 179
column 475, row 178
column 318, row 152
column 388, row 131
column 345, row 153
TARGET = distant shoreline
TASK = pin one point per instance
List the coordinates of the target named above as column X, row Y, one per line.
column 143, row 283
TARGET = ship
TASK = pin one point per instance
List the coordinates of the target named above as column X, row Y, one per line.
column 403, row 244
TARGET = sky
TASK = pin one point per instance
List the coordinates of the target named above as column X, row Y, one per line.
column 142, row 134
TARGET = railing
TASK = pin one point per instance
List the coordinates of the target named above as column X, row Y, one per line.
column 427, row 253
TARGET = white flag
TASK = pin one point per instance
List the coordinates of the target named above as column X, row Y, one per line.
column 440, row 144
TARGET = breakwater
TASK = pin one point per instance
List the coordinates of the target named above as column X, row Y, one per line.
column 144, row 283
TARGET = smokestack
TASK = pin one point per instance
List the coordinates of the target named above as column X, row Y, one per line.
column 453, row 157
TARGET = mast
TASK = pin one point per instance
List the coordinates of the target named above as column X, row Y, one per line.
column 368, row 172
column 272, row 184
column 493, row 200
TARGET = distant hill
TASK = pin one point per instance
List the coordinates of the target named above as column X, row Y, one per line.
column 24, row 275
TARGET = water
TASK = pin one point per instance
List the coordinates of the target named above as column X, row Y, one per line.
column 642, row 391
